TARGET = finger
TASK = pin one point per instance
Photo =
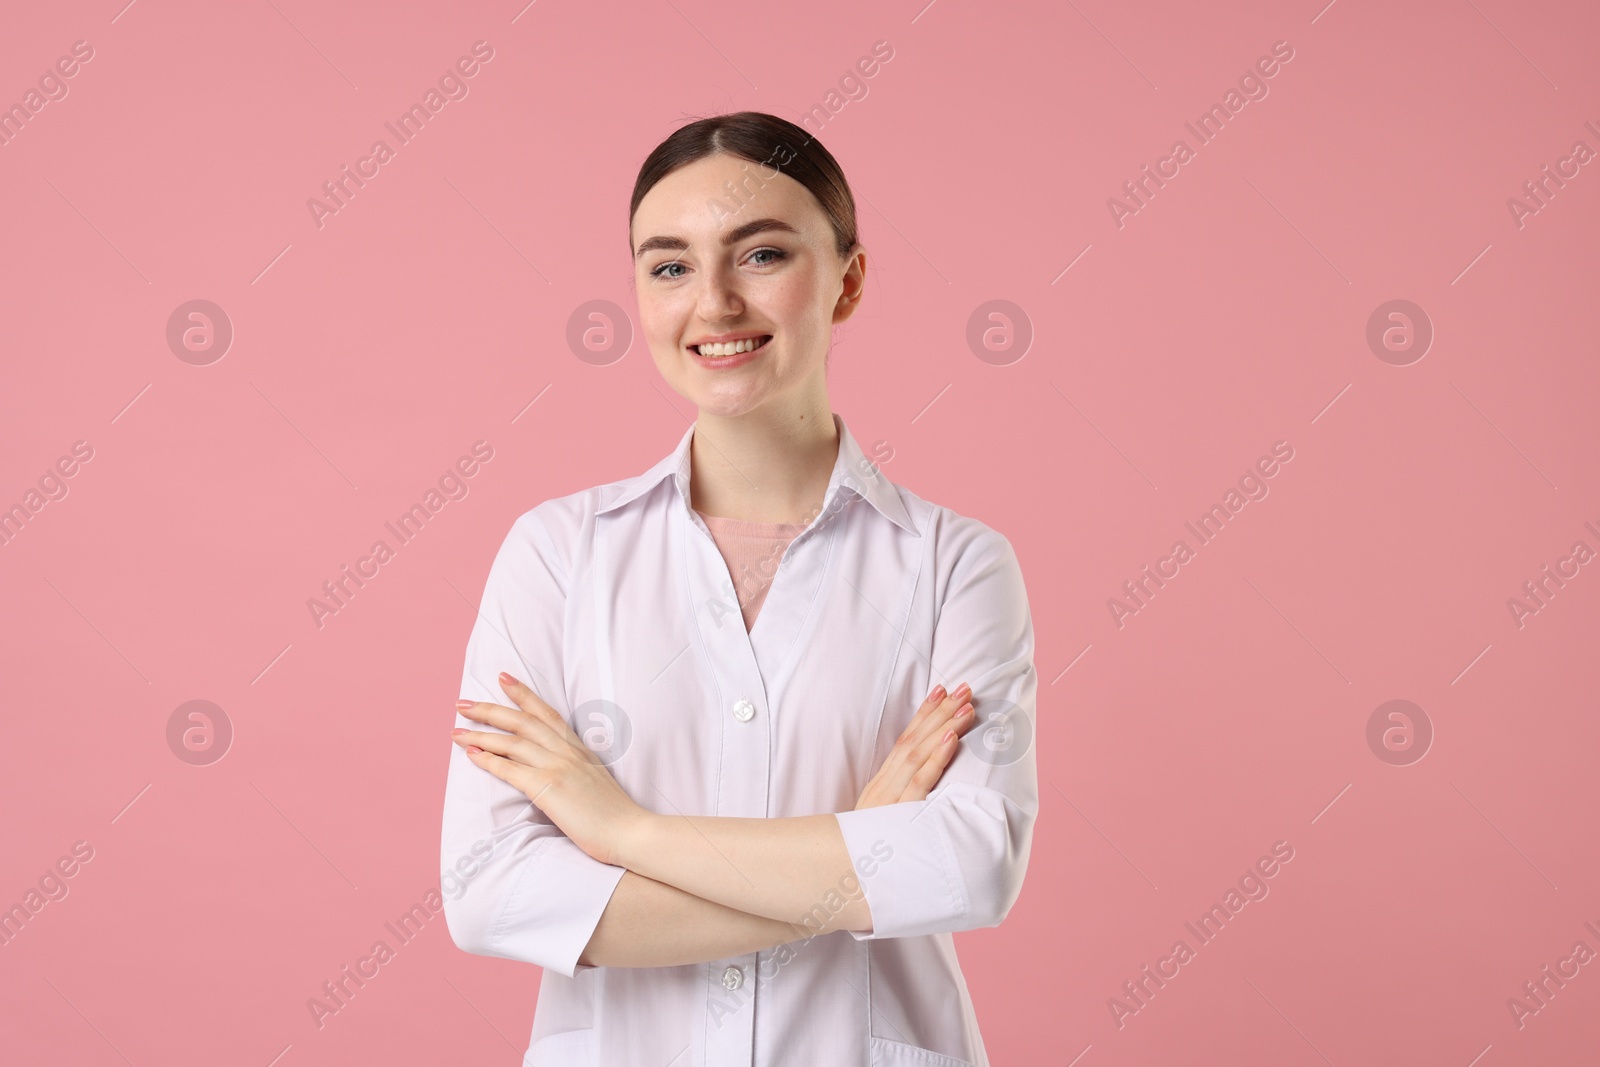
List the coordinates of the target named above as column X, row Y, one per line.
column 902, row 762
column 510, row 746
column 938, row 758
column 929, row 773
column 932, row 717
column 529, row 701
column 909, row 759
column 930, row 723
column 523, row 778
column 511, row 720
column 479, row 710
column 960, row 721
column 928, row 704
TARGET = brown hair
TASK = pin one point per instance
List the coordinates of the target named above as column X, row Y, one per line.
column 761, row 138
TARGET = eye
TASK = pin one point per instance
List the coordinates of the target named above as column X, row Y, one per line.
column 776, row 253
column 667, row 266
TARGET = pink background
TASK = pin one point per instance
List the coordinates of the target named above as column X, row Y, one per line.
column 1229, row 313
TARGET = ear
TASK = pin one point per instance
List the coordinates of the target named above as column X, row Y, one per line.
column 853, row 284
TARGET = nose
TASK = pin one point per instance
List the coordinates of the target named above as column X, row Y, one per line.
column 719, row 296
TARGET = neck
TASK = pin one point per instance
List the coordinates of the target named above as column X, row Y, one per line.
column 762, row 467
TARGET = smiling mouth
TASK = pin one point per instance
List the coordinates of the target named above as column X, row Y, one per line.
column 731, row 348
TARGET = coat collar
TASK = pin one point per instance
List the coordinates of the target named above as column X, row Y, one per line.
column 853, row 472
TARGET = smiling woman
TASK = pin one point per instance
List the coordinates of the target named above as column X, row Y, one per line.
column 767, row 189
column 793, row 816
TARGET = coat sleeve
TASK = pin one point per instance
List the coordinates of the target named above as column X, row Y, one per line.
column 956, row 860
column 514, row 885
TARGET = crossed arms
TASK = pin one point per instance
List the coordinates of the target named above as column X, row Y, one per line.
column 583, row 879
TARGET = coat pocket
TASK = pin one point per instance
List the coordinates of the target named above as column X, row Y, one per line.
column 570, row 1048
column 881, row 1052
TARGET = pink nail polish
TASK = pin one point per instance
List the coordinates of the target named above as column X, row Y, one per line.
column 965, row 709
column 506, row 679
column 473, row 750
column 937, row 694
column 948, row 734
column 463, row 705
column 457, row 730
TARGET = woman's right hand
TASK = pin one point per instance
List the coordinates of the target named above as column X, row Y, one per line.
column 923, row 750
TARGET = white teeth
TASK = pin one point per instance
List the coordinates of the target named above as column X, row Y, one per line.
column 729, row 348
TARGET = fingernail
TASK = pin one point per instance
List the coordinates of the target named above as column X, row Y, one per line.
column 457, row 730
column 506, row 679
column 963, row 691
column 966, row 709
column 937, row 694
column 948, row 734
column 473, row 750
column 463, row 705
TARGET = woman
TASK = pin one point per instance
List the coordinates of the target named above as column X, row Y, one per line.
column 703, row 806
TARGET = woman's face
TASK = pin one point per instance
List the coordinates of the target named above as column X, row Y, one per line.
column 778, row 283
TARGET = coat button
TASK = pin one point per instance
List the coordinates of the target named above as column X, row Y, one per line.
column 743, row 710
column 732, row 978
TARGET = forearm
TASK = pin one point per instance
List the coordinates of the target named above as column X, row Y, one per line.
column 795, row 870
column 651, row 924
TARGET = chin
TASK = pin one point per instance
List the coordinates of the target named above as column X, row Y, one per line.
column 726, row 409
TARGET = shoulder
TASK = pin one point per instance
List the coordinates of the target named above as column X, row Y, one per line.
column 973, row 578
column 961, row 548
column 556, row 527
column 951, row 534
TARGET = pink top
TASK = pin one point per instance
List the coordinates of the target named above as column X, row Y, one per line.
column 752, row 551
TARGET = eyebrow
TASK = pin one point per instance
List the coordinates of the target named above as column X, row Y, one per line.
column 732, row 237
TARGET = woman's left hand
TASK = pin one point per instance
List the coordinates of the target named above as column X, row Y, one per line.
column 542, row 756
